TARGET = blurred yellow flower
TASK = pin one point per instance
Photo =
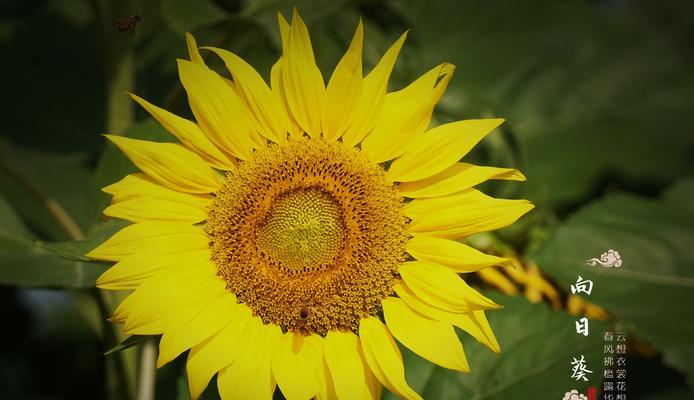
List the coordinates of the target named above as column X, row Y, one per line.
column 289, row 216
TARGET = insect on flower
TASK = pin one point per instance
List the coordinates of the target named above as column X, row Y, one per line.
column 127, row 24
column 304, row 313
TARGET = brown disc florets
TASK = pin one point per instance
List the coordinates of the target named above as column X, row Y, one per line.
column 309, row 234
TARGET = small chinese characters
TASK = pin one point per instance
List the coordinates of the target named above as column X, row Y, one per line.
column 614, row 363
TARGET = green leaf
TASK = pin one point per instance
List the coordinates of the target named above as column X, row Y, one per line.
column 131, row 341
column 30, row 263
column 680, row 194
column 37, row 267
column 185, row 16
column 52, row 192
column 12, row 229
column 182, row 392
column 76, row 250
column 538, row 345
column 651, row 293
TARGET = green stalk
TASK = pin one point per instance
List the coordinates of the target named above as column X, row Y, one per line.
column 147, row 380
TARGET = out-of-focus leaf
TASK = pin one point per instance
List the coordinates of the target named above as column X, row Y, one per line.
column 185, row 16
column 651, row 292
column 671, row 394
column 76, row 13
column 75, row 250
column 680, row 195
column 52, row 192
column 12, row 229
column 586, row 96
column 37, row 267
column 130, row 341
column 182, row 392
column 537, row 347
column 27, row 262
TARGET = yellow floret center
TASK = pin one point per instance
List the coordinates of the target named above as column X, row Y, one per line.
column 303, row 231
column 309, row 234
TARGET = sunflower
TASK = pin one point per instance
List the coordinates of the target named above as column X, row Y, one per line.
column 298, row 229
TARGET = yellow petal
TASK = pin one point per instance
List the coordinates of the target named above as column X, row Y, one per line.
column 193, row 52
column 534, row 285
column 187, row 333
column 139, row 185
column 326, row 389
column 222, row 349
column 432, row 340
column 481, row 319
column 406, row 115
column 295, row 365
column 278, row 92
column 347, row 369
column 455, row 178
column 250, row 376
column 269, row 114
column 276, row 79
column 454, row 255
column 130, row 271
column 443, row 288
column 170, row 164
column 152, row 209
column 537, row 280
column 439, row 148
column 463, row 214
column 372, row 96
column 163, row 301
column 375, row 387
column 384, row 358
column 498, row 280
column 575, row 305
column 218, row 109
column 189, row 133
column 469, row 322
column 302, row 80
column 343, row 90
column 155, row 236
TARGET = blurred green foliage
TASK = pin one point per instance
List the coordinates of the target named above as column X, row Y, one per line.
column 597, row 96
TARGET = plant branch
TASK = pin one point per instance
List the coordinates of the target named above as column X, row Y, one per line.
column 147, row 381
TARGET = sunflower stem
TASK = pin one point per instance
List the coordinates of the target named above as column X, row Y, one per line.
column 122, row 388
column 147, row 381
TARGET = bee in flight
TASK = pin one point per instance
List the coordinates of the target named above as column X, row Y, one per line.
column 127, row 24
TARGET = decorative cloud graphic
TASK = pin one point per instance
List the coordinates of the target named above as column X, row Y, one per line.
column 574, row 395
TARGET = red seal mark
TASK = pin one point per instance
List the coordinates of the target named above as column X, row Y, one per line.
column 591, row 393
